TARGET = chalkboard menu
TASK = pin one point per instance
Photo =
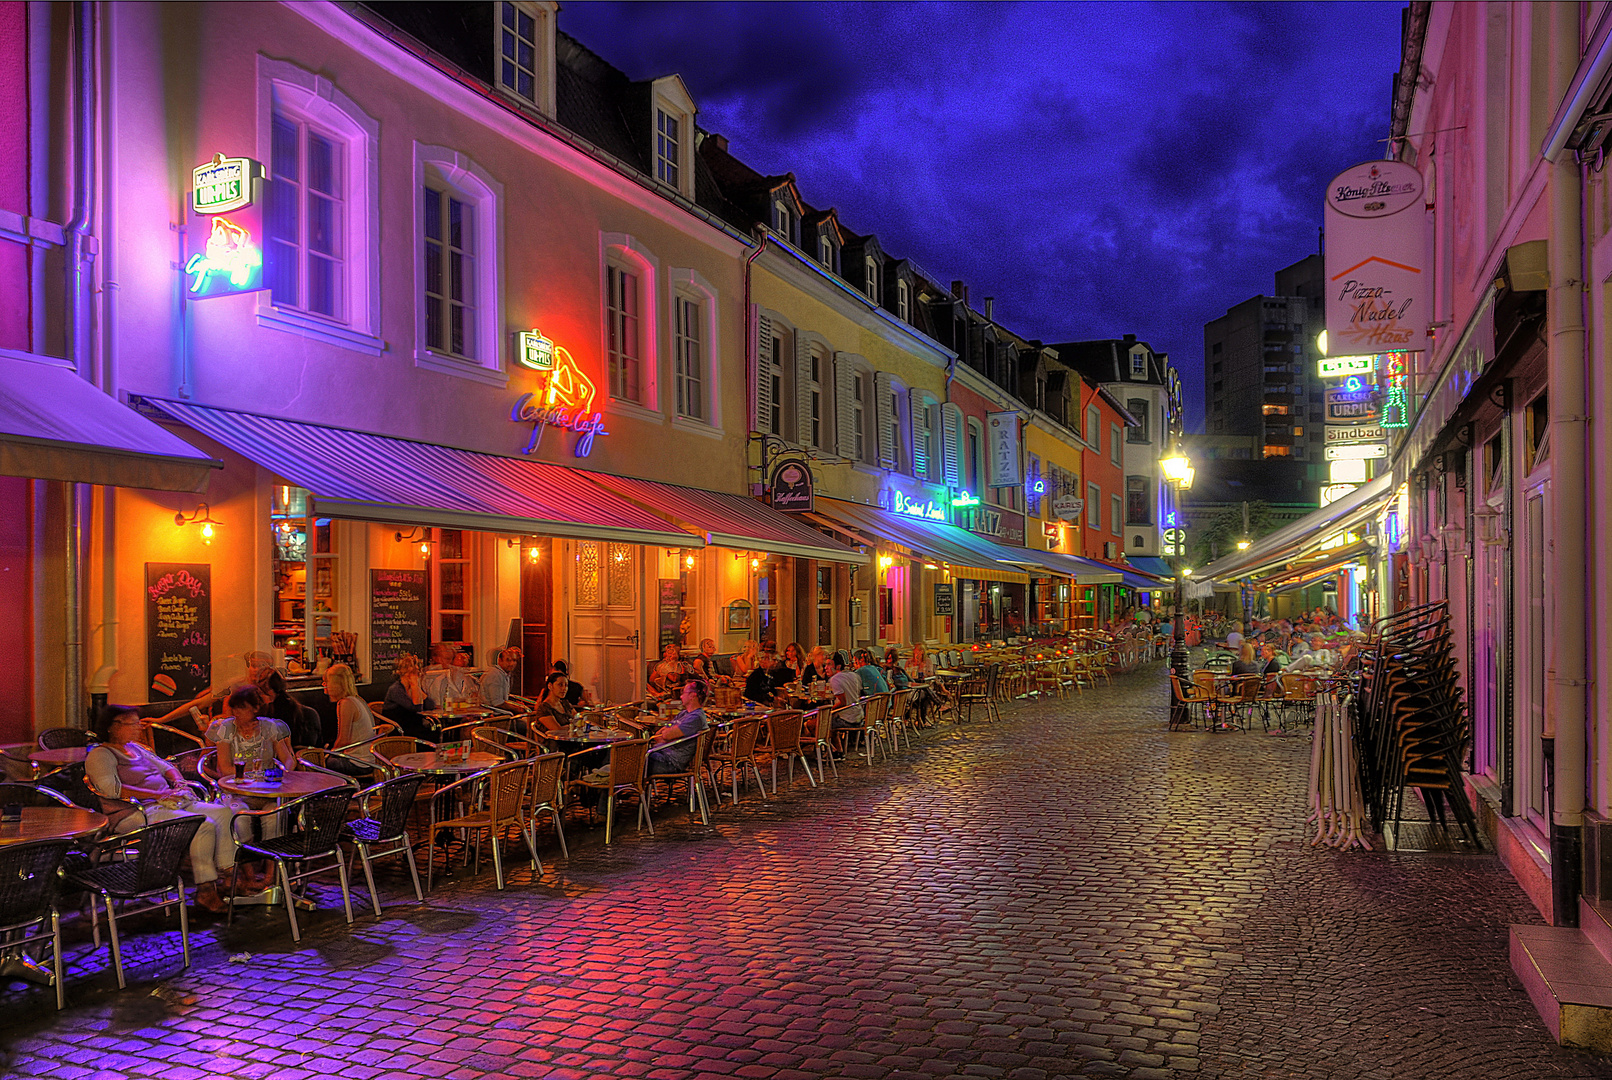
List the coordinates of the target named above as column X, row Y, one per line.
column 399, row 618
column 943, row 598
column 179, row 629
column 671, row 612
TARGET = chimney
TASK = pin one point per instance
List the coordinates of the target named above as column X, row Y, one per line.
column 960, row 291
column 721, row 141
column 990, row 308
column 1129, row 338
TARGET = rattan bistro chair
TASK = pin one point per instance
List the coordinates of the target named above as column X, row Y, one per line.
column 60, row 738
column 629, row 758
column 501, row 810
column 16, row 793
column 315, row 839
column 739, row 753
column 29, row 882
column 695, row 775
column 151, row 875
column 784, row 742
column 545, row 794
column 385, row 832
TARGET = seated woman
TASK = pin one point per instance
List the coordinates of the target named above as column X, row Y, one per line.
column 299, row 719
column 816, row 666
column 555, row 712
column 355, row 724
column 248, row 737
column 575, row 693
column 745, row 660
column 691, row 721
column 666, row 676
column 704, row 663
column 894, row 673
column 1247, row 663
column 794, row 663
column 920, row 666
column 762, row 684
column 139, row 788
column 406, row 698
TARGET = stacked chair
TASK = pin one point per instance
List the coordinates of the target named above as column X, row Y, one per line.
column 1413, row 727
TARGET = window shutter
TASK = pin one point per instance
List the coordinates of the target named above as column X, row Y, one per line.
column 844, row 413
column 918, row 406
column 884, row 410
column 951, row 442
column 761, row 418
column 803, row 391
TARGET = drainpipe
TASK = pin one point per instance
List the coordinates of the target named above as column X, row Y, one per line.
column 100, row 682
column 78, row 334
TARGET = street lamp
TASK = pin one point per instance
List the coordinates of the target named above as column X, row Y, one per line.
column 1178, row 472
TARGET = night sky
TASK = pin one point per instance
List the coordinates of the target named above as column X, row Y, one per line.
column 1100, row 169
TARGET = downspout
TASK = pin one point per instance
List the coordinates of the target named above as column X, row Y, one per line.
column 78, row 337
column 1565, row 720
column 100, row 682
column 752, row 352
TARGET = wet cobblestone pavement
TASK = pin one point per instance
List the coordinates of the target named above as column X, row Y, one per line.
column 1071, row 891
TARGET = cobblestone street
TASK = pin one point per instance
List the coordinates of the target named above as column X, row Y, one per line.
column 1072, row 891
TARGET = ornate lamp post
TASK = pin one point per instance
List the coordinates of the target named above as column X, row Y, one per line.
column 1178, row 472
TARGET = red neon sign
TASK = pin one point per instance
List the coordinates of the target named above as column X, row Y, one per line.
column 564, row 400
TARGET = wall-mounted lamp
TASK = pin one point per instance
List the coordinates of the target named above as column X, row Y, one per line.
column 1244, row 545
column 931, row 566
column 886, row 562
column 688, row 562
column 202, row 516
column 755, row 564
column 416, row 535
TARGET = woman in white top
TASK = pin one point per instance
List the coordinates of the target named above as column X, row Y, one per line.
column 139, row 788
column 354, row 722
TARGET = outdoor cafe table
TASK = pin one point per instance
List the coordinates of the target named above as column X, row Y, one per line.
column 297, row 783
column 428, row 763
column 63, row 755
column 51, row 823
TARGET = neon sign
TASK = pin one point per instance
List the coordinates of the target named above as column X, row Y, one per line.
column 231, row 263
column 1333, row 367
column 535, row 351
column 963, row 498
column 564, row 400
column 927, row 509
column 1395, row 407
column 222, row 185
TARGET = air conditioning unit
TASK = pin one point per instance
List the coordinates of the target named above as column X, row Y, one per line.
column 1111, row 550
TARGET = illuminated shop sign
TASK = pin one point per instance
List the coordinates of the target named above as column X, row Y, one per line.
column 223, row 235
column 963, row 498
column 1359, row 405
column 900, row 503
column 1395, row 407
column 535, row 351
column 1331, row 493
column 1333, row 367
column 1356, row 452
column 1352, row 433
column 564, row 399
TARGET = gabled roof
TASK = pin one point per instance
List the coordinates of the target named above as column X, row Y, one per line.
column 1108, row 360
column 816, row 219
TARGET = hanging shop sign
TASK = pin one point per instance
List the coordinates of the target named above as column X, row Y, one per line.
column 224, row 233
column 535, row 351
column 1068, row 507
column 1359, row 406
column 898, row 502
column 1353, row 433
column 1175, row 541
column 1051, row 531
column 1002, row 436
column 1003, row 526
column 1336, row 367
column 564, row 399
column 1331, row 493
column 1376, row 251
column 791, row 488
column 1356, row 451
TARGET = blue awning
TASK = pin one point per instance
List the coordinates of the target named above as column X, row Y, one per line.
column 1152, row 564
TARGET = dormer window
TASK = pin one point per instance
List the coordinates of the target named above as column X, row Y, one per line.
column 870, row 278
column 525, row 45
column 666, row 148
column 1138, row 365
column 783, row 220
column 825, row 250
column 903, row 302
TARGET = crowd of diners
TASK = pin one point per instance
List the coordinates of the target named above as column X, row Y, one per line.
column 1316, row 641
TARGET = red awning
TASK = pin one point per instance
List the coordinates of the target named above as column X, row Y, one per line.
column 731, row 521
column 353, row 474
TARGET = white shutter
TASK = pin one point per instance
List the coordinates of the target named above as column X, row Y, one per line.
column 884, row 411
column 803, row 391
column 918, row 407
column 844, row 412
column 761, row 417
column 951, row 443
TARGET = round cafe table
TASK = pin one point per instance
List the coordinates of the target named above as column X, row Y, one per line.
column 64, row 755
column 51, row 823
column 426, row 762
column 296, row 784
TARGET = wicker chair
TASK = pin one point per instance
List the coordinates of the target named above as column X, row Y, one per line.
column 972, row 690
column 1193, row 695
column 504, row 800
column 151, row 875
column 784, row 742
column 741, row 751
column 629, row 758
column 316, row 839
column 60, row 738
column 386, row 831
column 544, row 795
column 29, row 880
column 19, row 794
column 695, row 775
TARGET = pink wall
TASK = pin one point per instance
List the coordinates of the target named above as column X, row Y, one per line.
column 13, row 170
column 16, row 608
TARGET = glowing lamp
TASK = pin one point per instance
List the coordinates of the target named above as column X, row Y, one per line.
column 1321, row 343
column 202, row 516
column 1244, row 545
column 533, row 554
column 885, row 562
column 688, row 561
column 1177, row 468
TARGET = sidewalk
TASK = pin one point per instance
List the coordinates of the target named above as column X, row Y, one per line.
column 1073, row 891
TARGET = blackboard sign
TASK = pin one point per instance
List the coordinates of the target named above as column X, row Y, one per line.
column 399, row 618
column 179, row 629
column 943, row 598
column 671, row 612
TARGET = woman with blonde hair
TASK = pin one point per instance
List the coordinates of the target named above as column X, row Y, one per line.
column 354, row 722
column 816, row 666
column 745, row 661
column 919, row 665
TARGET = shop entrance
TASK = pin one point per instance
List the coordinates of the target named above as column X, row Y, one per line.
column 537, row 612
column 605, row 654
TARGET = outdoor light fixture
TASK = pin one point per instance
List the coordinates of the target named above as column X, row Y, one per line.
column 755, row 564
column 1244, row 545
column 886, row 562
column 533, row 554
column 930, row 566
column 1321, row 343
column 688, row 562
column 1177, row 469
column 422, row 535
column 202, row 516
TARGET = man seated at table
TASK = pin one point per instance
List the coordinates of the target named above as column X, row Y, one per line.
column 664, row 758
column 704, row 663
column 495, row 681
column 764, row 680
column 846, row 686
column 444, row 681
column 873, row 681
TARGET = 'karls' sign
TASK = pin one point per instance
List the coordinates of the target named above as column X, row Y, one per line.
column 1355, row 405
column 1348, row 433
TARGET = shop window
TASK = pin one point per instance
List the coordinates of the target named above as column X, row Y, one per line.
column 691, row 360
column 767, row 602
column 304, row 263
column 825, row 605
column 450, row 592
column 306, row 620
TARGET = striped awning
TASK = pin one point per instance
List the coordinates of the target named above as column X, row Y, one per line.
column 960, row 551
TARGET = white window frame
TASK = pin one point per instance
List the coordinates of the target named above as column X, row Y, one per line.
column 670, row 97
column 628, row 253
column 449, row 170
column 1138, row 365
column 903, row 300
column 870, row 278
column 689, row 284
column 817, row 348
column 825, row 249
column 972, row 459
column 312, row 99
column 863, row 411
column 783, row 217
column 1094, row 506
column 543, row 13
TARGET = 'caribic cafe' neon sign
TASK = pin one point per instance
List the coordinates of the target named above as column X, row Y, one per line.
column 563, row 400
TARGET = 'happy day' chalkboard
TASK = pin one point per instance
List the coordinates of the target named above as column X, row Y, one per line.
column 399, row 618
column 179, row 629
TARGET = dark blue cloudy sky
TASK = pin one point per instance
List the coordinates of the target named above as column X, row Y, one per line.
column 1100, row 169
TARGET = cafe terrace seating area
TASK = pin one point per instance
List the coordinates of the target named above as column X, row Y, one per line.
column 490, row 787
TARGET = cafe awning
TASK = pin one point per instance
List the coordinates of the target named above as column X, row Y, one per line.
column 965, row 554
column 56, row 426
column 730, row 521
column 1083, row 571
column 1152, row 564
column 1296, row 538
column 353, row 474
column 1323, row 564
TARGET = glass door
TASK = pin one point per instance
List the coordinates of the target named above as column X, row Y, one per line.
column 605, row 619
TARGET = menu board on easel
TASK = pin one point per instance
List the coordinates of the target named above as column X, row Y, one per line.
column 399, row 618
column 179, row 629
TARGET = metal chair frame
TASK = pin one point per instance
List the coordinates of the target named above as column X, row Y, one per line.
column 29, row 882
column 152, row 875
column 320, row 838
column 388, row 829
